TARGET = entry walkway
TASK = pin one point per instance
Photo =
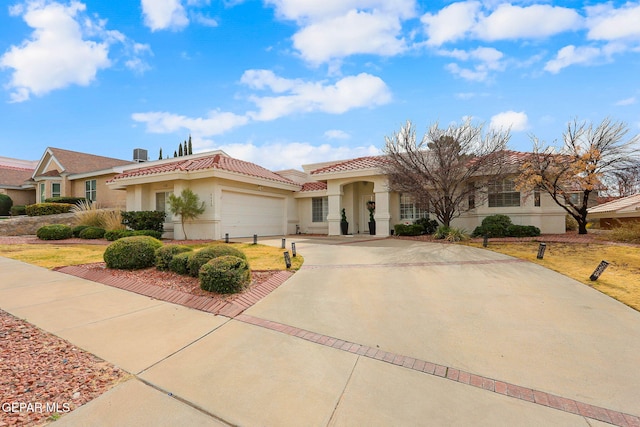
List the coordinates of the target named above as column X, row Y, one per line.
column 368, row 332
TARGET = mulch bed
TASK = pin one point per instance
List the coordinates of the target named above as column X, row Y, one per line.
column 42, row 374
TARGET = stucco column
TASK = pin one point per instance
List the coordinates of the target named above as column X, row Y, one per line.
column 137, row 199
column 382, row 214
column 334, row 195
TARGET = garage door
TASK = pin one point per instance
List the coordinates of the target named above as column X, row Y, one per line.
column 244, row 215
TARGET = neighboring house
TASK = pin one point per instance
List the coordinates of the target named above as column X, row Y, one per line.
column 610, row 214
column 13, row 175
column 64, row 173
column 243, row 199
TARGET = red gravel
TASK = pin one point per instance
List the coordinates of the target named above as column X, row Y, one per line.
column 41, row 374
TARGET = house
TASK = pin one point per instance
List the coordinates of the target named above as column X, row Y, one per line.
column 13, row 176
column 65, row 173
column 243, row 199
column 625, row 209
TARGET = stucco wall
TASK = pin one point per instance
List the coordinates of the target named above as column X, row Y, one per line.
column 105, row 196
column 20, row 197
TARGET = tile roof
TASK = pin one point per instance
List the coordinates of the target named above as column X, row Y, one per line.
column 14, row 176
column 360, row 163
column 76, row 162
column 314, row 186
column 616, row 205
column 216, row 161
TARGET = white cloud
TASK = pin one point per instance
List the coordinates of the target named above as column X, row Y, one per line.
column 516, row 121
column 291, row 155
column 215, row 123
column 336, row 134
column 363, row 90
column 305, row 11
column 467, row 20
column 627, row 101
column 486, row 59
column 164, row 14
column 57, row 54
column 606, row 23
column 570, row 55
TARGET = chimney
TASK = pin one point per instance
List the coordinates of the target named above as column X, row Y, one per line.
column 140, row 155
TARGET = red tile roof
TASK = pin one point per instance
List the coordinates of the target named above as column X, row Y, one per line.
column 314, row 186
column 216, row 161
column 14, row 176
column 352, row 165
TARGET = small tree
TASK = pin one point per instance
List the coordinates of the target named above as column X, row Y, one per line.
column 160, row 155
column 187, row 205
column 190, row 146
column 185, row 151
column 180, row 152
column 440, row 169
column 590, row 158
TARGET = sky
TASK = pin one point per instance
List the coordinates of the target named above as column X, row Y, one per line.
column 283, row 83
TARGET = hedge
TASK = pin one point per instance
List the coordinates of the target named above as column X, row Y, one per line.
column 408, row 229
column 54, row 232
column 225, row 275
column 144, row 220
column 165, row 254
column 68, row 200
column 78, row 229
column 17, row 210
column 131, row 253
column 40, row 209
column 113, row 235
column 92, row 233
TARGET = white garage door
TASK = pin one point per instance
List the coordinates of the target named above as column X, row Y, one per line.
column 244, row 215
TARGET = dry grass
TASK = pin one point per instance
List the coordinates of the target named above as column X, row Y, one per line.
column 91, row 214
column 621, row 280
column 260, row 257
column 626, row 232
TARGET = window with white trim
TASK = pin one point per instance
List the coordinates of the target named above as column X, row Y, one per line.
column 409, row 210
column 162, row 201
column 319, row 209
column 503, row 194
column 90, row 190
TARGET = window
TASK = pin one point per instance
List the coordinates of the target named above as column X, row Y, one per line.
column 471, row 199
column 162, row 201
column 42, row 192
column 319, row 209
column 90, row 189
column 536, row 198
column 409, row 209
column 503, row 194
column 55, row 189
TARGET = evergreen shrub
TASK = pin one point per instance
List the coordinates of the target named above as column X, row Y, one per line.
column 54, row 232
column 165, row 254
column 131, row 253
column 225, row 275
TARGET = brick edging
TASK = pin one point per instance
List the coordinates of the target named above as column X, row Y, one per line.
column 229, row 308
column 489, row 384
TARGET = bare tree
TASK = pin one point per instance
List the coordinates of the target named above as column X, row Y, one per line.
column 624, row 182
column 442, row 169
column 590, row 157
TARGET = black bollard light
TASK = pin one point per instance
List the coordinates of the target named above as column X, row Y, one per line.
column 226, row 237
column 541, row 249
column 598, row 271
column 287, row 259
column 255, row 239
column 485, row 240
column 284, row 243
column 293, row 249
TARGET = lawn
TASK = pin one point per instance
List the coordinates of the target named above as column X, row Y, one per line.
column 621, row 280
column 260, row 257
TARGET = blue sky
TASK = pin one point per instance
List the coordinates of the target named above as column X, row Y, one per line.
column 288, row 82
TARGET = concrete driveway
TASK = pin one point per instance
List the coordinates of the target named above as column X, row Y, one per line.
column 368, row 332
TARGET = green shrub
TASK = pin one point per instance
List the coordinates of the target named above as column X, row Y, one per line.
column 5, row 205
column 408, row 229
column 78, row 229
column 68, row 200
column 456, row 235
column 522, row 231
column 165, row 254
column 18, row 210
column 144, row 220
column 131, row 253
column 113, row 235
column 40, row 209
column 493, row 226
column 54, row 232
column 92, row 233
column 225, row 275
column 180, row 263
column 442, row 232
column 210, row 252
column 151, row 233
column 429, row 226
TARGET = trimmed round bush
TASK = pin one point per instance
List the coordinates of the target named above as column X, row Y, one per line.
column 54, row 232
column 78, row 229
column 92, row 233
column 113, row 235
column 5, row 205
column 493, row 226
column 165, row 254
column 152, row 233
column 131, row 253
column 225, row 275
column 522, row 231
column 180, row 263
column 210, row 252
